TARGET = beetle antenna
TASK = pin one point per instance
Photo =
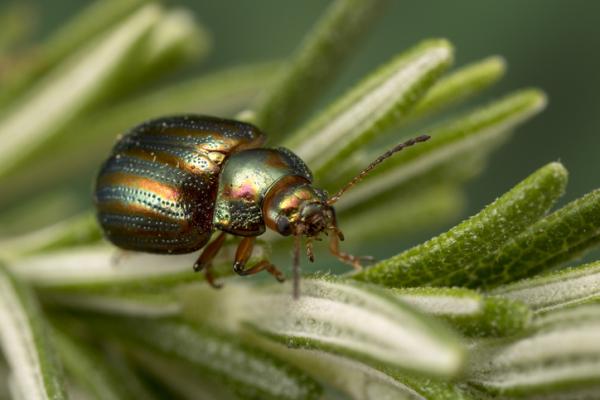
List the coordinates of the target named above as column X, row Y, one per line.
column 296, row 267
column 375, row 163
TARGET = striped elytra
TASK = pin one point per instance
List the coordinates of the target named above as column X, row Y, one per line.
column 156, row 192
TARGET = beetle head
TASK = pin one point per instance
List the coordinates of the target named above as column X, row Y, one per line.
column 297, row 208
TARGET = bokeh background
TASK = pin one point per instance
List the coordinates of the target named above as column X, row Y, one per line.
column 550, row 44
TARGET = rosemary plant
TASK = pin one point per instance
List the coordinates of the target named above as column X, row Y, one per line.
column 493, row 308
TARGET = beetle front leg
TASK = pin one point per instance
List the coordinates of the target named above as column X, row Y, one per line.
column 204, row 262
column 242, row 255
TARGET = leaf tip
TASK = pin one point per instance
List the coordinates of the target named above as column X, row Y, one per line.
column 495, row 65
column 536, row 98
column 443, row 45
column 558, row 170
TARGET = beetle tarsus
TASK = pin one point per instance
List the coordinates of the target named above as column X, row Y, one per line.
column 204, row 262
column 242, row 255
column 211, row 279
column 239, row 269
column 354, row 261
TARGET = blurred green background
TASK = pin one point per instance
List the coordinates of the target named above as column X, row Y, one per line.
column 550, row 44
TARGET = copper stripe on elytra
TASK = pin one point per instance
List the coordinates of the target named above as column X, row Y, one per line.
column 209, row 140
column 196, row 162
column 127, row 200
column 146, row 168
column 154, row 188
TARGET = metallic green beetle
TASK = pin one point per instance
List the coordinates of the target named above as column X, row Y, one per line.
column 171, row 182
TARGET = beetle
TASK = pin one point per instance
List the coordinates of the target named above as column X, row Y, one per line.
column 171, row 182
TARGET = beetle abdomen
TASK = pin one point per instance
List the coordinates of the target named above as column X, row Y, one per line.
column 156, row 193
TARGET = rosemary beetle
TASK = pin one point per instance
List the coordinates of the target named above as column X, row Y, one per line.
column 170, row 183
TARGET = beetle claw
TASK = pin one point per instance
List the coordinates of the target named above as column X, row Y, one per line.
column 198, row 267
column 214, row 284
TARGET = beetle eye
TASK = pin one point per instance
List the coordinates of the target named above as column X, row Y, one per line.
column 283, row 226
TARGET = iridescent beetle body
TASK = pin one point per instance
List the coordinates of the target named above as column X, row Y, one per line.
column 157, row 191
column 171, row 182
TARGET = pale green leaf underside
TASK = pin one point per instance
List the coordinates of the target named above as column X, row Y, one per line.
column 556, row 290
column 358, row 322
column 102, row 269
column 222, row 94
column 360, row 381
column 25, row 343
column 89, row 369
column 83, row 80
column 95, row 19
column 468, row 311
column 76, row 84
column 371, row 106
column 245, row 370
column 561, row 358
column 80, row 230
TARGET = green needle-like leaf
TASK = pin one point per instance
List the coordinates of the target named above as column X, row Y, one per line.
column 70, row 89
column 468, row 311
column 25, row 343
column 222, row 93
column 459, row 85
column 92, row 373
column 458, row 257
column 173, row 41
column 355, row 321
column 557, row 290
column 561, row 236
column 360, row 381
column 448, row 153
column 177, row 379
column 318, row 59
column 373, row 105
column 560, row 360
column 80, row 230
column 134, row 302
column 95, row 19
column 248, row 372
column 102, row 270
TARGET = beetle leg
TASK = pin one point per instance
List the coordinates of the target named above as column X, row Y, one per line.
column 204, row 262
column 119, row 256
column 334, row 247
column 242, row 255
column 309, row 249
